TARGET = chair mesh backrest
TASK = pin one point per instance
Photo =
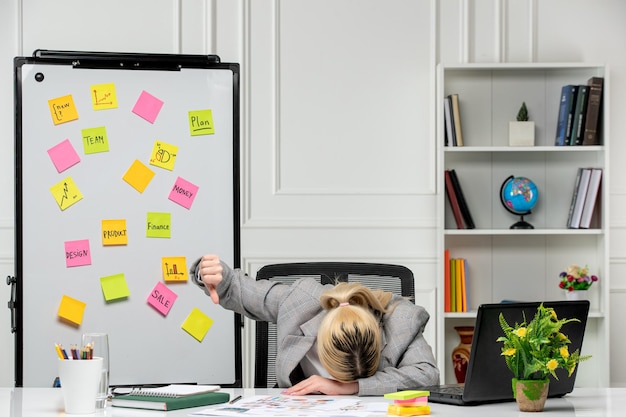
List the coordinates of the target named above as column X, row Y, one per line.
column 393, row 278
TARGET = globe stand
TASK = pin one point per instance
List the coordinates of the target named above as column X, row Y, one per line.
column 522, row 224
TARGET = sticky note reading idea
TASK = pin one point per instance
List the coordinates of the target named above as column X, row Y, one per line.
column 71, row 309
column 201, row 122
column 62, row 109
column 197, row 324
column 114, row 232
column 162, row 298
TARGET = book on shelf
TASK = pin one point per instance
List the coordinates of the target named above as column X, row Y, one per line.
column 452, row 285
column 446, row 281
column 449, row 121
column 452, row 199
column 578, row 199
column 580, row 115
column 566, row 114
column 465, row 212
column 458, row 276
column 457, row 296
column 456, row 118
column 171, row 397
column 594, row 109
column 591, row 198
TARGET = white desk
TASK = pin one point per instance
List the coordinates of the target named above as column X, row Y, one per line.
column 588, row 402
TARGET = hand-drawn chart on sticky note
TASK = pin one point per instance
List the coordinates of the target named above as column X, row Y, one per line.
column 103, row 96
column 162, row 298
column 163, row 155
column 77, row 253
column 66, row 193
column 138, row 176
column 63, row 109
column 197, row 324
column 201, row 122
column 174, row 268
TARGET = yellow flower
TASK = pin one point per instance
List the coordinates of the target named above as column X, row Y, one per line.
column 509, row 352
column 564, row 352
column 552, row 364
column 562, row 336
column 521, row 332
column 554, row 315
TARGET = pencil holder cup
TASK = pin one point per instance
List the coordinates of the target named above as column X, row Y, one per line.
column 79, row 383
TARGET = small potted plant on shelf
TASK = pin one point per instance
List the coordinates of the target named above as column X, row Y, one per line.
column 535, row 350
column 576, row 281
column 522, row 131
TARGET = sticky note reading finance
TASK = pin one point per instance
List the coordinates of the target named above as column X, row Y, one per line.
column 162, row 298
column 95, row 140
column 114, row 287
column 114, row 232
column 163, row 155
column 71, row 309
column 201, row 122
column 77, row 253
column 63, row 155
column 66, row 193
column 158, row 225
column 183, row 193
column 138, row 176
column 174, row 268
column 62, row 109
column 197, row 324
column 103, row 96
column 147, row 107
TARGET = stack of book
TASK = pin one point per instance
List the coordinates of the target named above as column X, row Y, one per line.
column 585, row 198
column 452, row 121
column 456, row 299
column 580, row 109
column 171, row 397
column 460, row 210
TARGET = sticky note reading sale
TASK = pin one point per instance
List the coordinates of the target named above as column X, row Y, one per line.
column 138, row 176
column 63, row 155
column 114, row 287
column 71, row 309
column 174, row 268
column 77, row 253
column 162, row 298
column 147, row 107
column 197, row 324
column 183, row 192
column 201, row 122
column 114, row 232
column 62, row 109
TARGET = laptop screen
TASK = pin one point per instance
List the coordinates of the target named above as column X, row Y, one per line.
column 488, row 378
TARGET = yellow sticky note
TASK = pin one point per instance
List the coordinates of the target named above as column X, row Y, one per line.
column 163, row 155
column 103, row 96
column 114, row 287
column 201, row 122
column 197, row 324
column 138, row 176
column 174, row 268
column 406, row 395
column 417, row 410
column 62, row 109
column 66, row 193
column 95, row 140
column 71, row 309
column 114, row 232
column 158, row 225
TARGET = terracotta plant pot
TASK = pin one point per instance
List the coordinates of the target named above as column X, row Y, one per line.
column 531, row 395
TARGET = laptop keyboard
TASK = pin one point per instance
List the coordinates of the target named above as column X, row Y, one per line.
column 447, row 389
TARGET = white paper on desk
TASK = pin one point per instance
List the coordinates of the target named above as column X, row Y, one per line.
column 289, row 405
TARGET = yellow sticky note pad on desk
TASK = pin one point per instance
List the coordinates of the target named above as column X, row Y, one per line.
column 406, row 395
column 412, row 410
column 114, row 287
column 71, row 309
column 197, row 324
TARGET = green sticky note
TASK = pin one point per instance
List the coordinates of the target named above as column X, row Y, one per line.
column 201, row 122
column 406, row 395
column 95, row 140
column 114, row 287
column 158, row 225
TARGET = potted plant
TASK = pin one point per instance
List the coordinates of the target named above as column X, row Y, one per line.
column 522, row 131
column 575, row 280
column 535, row 350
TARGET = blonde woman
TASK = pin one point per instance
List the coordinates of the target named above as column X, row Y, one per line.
column 335, row 340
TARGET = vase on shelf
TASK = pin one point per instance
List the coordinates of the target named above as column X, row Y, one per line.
column 461, row 353
column 530, row 395
column 577, row 295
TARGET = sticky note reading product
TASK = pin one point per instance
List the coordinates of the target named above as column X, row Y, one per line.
column 147, row 107
column 62, row 109
column 162, row 298
column 95, row 140
column 63, row 155
column 197, row 324
column 158, row 225
column 163, row 155
column 66, row 193
column 114, row 287
column 183, row 192
column 114, row 232
column 71, row 309
column 77, row 253
column 138, row 176
column 201, row 122
column 103, row 96
column 174, row 268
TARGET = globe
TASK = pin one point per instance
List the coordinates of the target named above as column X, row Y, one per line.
column 519, row 195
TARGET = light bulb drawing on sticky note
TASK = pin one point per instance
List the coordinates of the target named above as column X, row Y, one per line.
column 163, row 155
column 71, row 309
column 162, row 298
column 201, row 122
column 66, row 193
column 62, row 109
column 197, row 324
column 114, row 287
column 103, row 96
column 174, row 268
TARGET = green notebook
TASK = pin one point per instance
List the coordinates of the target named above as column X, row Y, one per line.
column 167, row 403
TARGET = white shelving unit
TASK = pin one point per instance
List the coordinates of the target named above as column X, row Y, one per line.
column 513, row 264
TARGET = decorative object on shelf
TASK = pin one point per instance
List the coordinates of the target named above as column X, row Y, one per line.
column 461, row 353
column 519, row 195
column 533, row 351
column 522, row 131
column 576, row 281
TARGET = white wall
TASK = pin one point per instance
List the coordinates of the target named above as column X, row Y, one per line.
column 338, row 140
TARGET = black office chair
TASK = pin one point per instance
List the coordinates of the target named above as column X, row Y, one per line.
column 393, row 278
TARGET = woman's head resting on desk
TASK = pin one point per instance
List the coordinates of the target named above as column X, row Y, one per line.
column 349, row 340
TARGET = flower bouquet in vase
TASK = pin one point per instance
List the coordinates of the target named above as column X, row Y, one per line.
column 535, row 350
column 575, row 280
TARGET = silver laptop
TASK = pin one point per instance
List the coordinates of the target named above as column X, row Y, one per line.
column 488, row 379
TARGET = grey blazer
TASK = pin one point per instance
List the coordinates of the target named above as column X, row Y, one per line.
column 407, row 361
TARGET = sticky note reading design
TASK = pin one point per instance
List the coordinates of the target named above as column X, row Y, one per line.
column 201, row 122
column 147, row 107
column 114, row 287
column 163, row 155
column 114, row 232
column 103, row 96
column 62, row 109
column 63, row 155
column 183, row 192
column 71, row 309
column 95, row 140
column 174, row 268
column 158, row 225
column 66, row 193
column 138, row 176
column 77, row 253
column 162, row 298
column 197, row 324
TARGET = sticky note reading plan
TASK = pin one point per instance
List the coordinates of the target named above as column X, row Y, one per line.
column 71, row 309
column 114, row 232
column 183, row 192
column 201, row 122
column 77, row 253
column 197, row 324
column 162, row 298
column 62, row 109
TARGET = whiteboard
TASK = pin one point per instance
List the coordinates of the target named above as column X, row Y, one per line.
column 160, row 341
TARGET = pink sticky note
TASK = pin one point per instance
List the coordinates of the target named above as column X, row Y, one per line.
column 147, row 106
column 183, row 192
column 77, row 253
column 162, row 298
column 63, row 155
